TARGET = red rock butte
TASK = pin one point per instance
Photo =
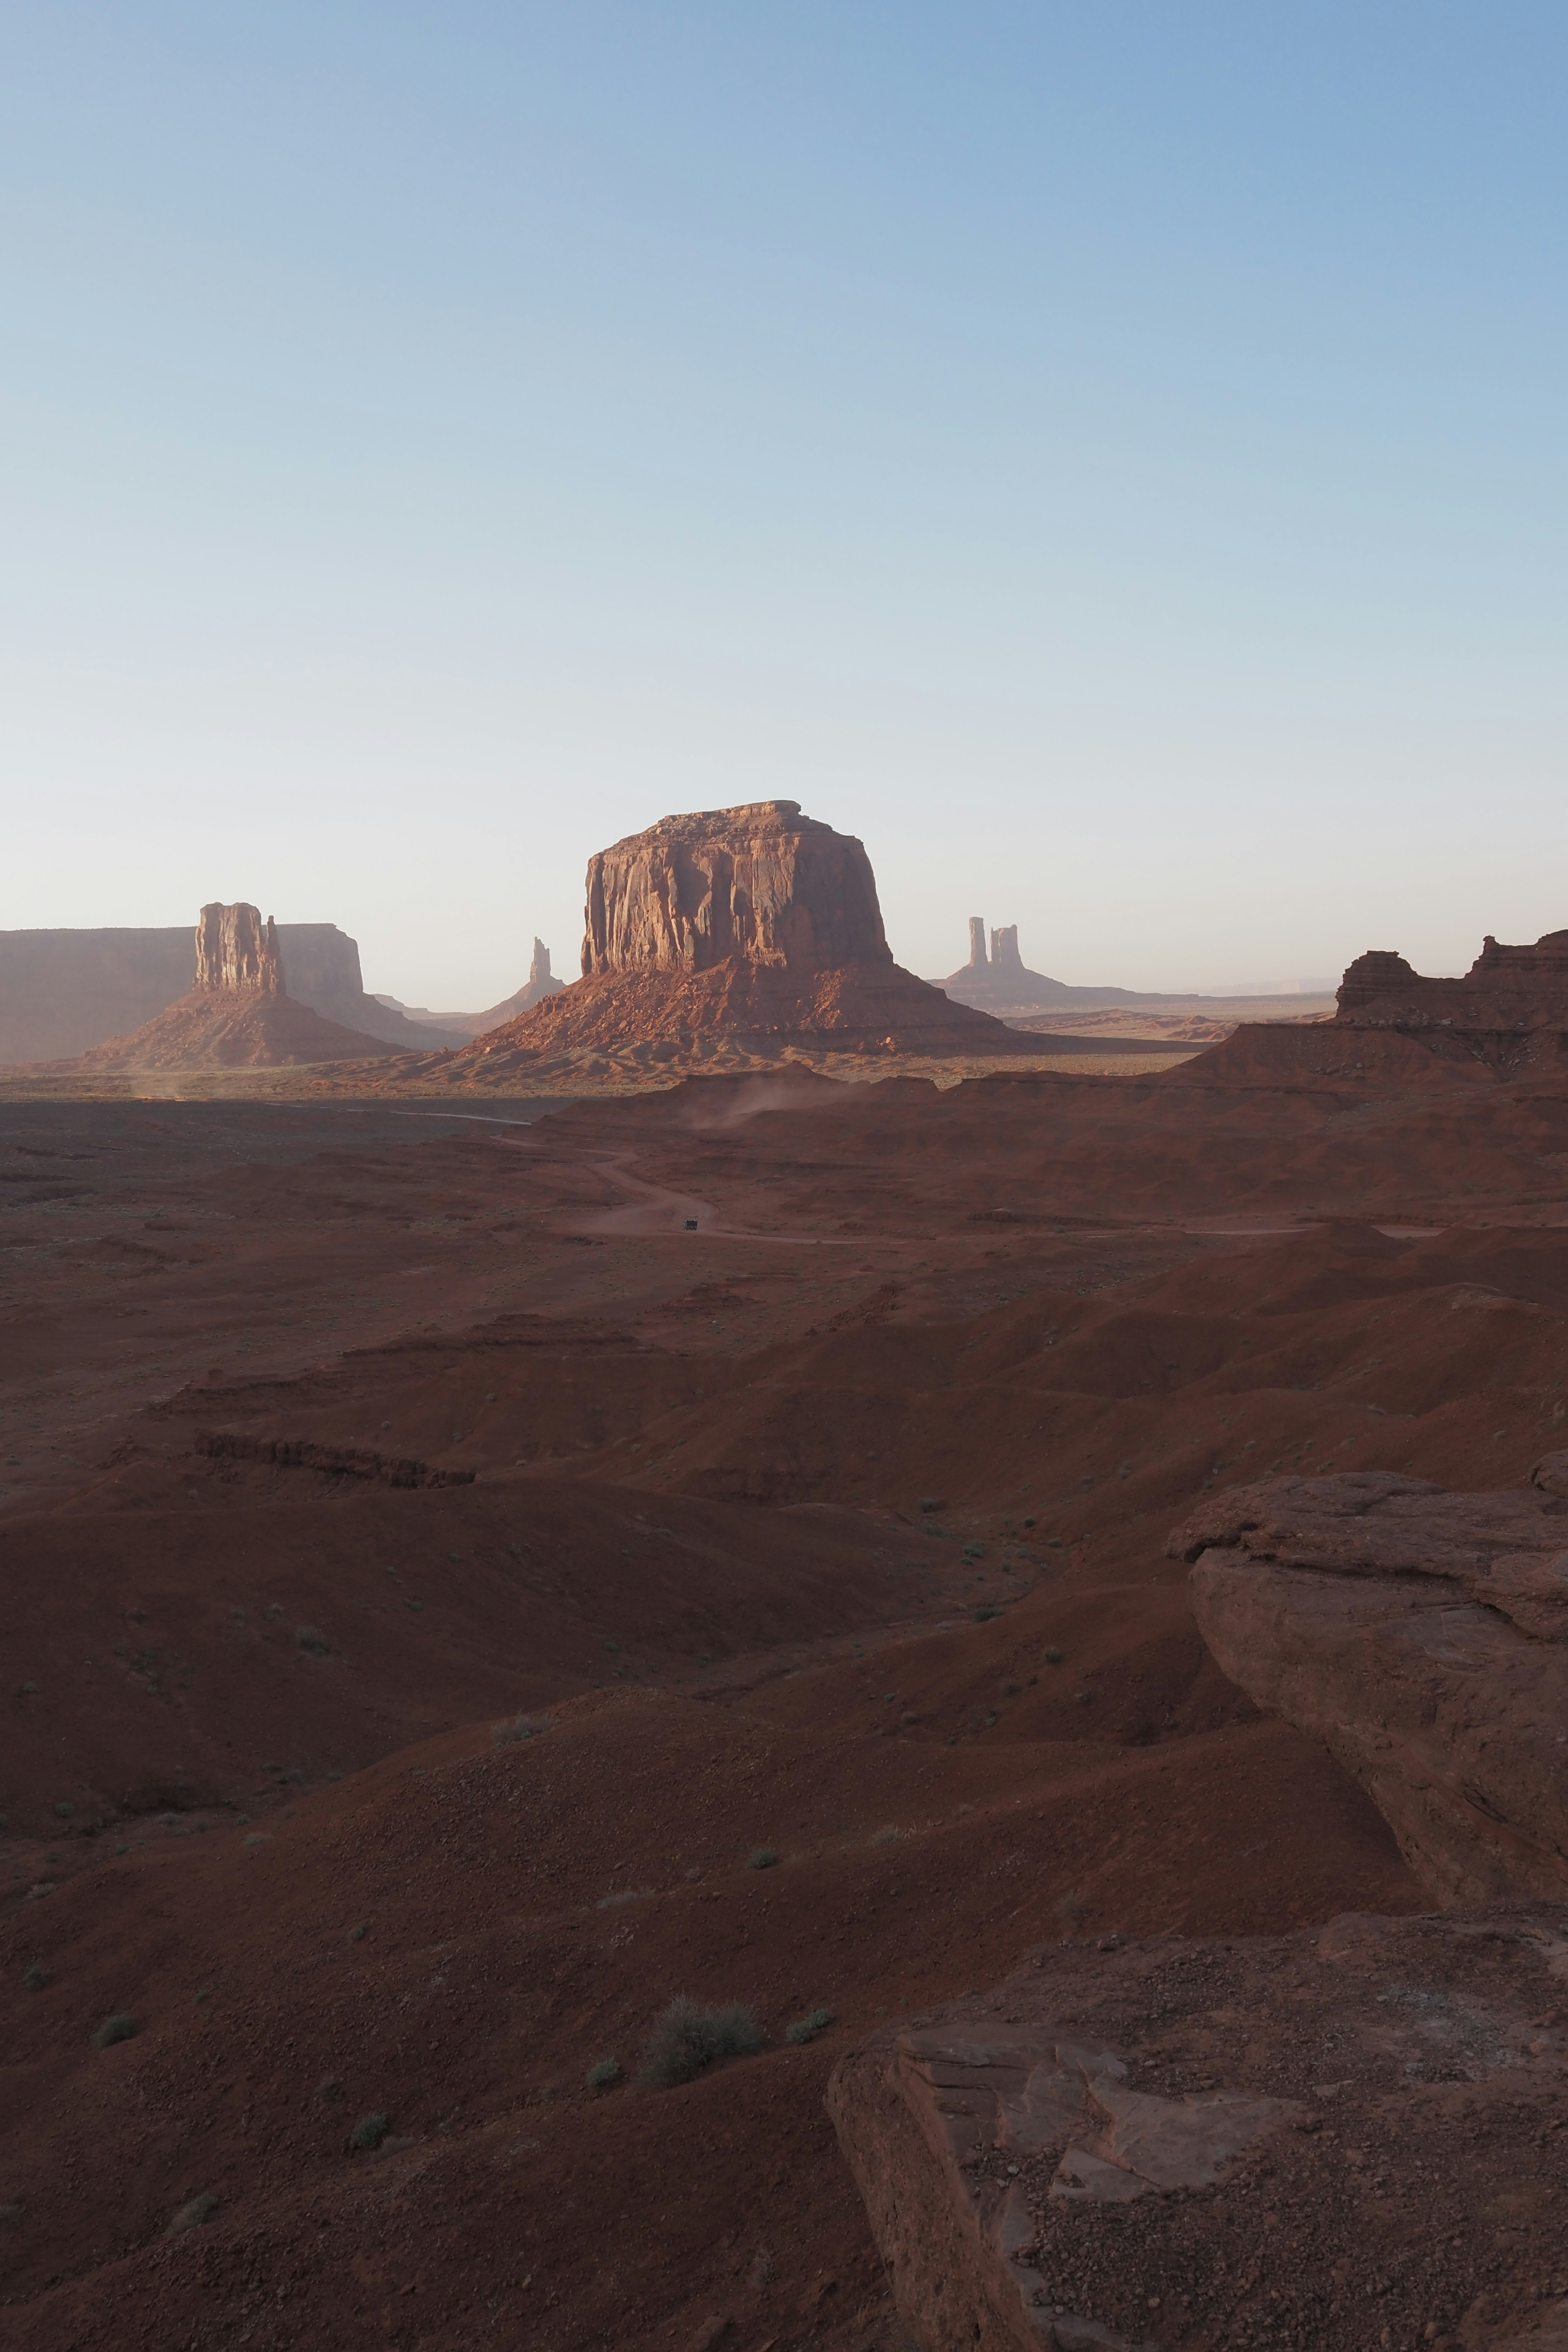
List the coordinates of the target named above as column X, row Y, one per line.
column 755, row 926
column 238, row 1014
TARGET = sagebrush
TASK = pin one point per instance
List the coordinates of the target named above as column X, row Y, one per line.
column 687, row 2037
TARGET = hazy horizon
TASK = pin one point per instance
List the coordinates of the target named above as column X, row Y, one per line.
column 1111, row 461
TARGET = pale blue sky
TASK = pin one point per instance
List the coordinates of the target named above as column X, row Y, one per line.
column 1110, row 458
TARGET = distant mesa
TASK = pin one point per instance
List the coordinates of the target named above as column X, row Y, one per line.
column 752, row 927
column 1506, row 1016
column 1506, row 989
column 64, row 991
column 238, row 1014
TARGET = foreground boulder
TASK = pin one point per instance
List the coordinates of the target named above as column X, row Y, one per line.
column 1342, row 2139
column 1423, row 1636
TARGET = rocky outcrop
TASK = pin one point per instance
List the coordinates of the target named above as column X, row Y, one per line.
column 64, row 991
column 1000, row 982
column 752, row 928
column 238, row 952
column 757, row 885
column 237, row 1015
column 1345, row 2139
column 541, row 981
column 1517, row 989
column 1423, row 1636
column 1507, row 1017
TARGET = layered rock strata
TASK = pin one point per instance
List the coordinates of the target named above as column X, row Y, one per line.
column 1345, row 2139
column 753, row 927
column 1423, row 1636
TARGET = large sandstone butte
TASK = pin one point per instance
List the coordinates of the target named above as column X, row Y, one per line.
column 1342, row 2139
column 1423, row 1636
column 753, row 927
column 237, row 1015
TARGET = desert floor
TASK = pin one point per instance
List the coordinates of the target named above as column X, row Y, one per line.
column 797, row 1459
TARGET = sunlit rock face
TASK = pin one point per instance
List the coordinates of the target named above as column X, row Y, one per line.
column 238, row 952
column 759, row 884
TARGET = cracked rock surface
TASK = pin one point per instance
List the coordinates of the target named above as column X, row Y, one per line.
column 1345, row 2139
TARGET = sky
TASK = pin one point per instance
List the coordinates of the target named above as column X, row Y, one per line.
column 1111, row 457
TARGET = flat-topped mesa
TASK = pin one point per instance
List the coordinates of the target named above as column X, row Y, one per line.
column 1507, row 988
column 751, row 933
column 238, row 952
column 758, row 885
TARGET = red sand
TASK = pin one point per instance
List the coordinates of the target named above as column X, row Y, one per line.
column 1056, row 1311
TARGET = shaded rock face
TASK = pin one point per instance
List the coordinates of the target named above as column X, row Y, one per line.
column 1506, row 989
column 238, row 952
column 1423, row 1636
column 760, row 885
column 1342, row 2138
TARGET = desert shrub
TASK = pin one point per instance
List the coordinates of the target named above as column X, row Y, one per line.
column 1083, row 1698
column 807, row 2027
column 357, row 1934
column 985, row 1613
column 1053, row 1657
column 368, row 2133
column 65, row 1809
column 603, row 2074
column 688, row 2038
column 520, row 1726
column 191, row 2216
column 37, row 1976
column 119, row 2028
column 761, row 1857
column 316, row 1643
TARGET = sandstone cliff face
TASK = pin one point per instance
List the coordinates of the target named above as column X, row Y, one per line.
column 760, row 884
column 238, row 952
column 1423, row 1636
